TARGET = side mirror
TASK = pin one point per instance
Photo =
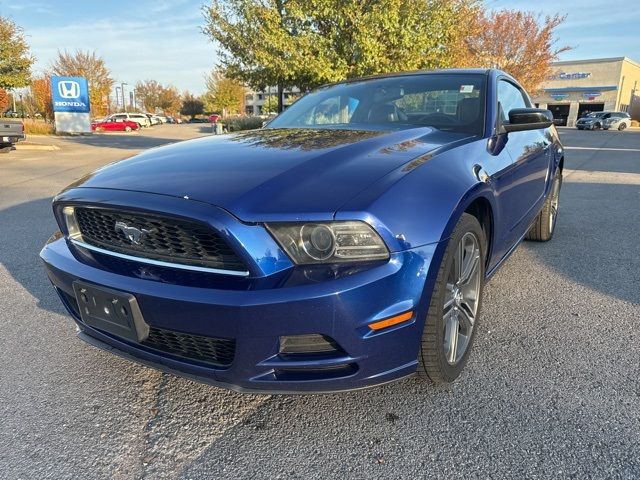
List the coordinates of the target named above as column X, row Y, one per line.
column 521, row 119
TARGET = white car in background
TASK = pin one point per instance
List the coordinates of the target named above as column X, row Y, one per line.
column 154, row 119
column 617, row 121
column 140, row 118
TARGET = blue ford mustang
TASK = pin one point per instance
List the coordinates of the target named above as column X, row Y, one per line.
column 344, row 245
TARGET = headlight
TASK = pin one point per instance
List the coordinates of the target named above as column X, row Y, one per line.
column 69, row 215
column 329, row 242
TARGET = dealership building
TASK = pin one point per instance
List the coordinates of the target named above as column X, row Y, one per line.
column 580, row 86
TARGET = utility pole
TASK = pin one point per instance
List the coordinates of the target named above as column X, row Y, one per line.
column 13, row 96
column 124, row 105
column 22, row 107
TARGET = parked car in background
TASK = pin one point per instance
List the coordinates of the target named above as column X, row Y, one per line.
column 114, row 125
column 604, row 120
column 345, row 245
column 617, row 121
column 11, row 132
column 140, row 118
column 153, row 119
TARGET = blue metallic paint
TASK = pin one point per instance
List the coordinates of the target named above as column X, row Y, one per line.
column 411, row 185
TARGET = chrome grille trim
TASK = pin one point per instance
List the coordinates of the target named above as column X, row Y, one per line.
column 159, row 263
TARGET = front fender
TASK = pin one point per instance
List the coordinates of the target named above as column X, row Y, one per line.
column 421, row 202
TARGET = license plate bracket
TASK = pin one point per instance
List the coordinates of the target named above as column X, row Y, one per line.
column 111, row 311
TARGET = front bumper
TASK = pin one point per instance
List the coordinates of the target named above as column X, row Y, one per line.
column 256, row 314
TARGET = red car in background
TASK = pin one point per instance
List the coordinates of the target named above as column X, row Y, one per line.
column 115, row 125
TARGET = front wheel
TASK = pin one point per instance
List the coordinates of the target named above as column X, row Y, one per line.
column 622, row 127
column 454, row 310
column 127, row 128
column 545, row 223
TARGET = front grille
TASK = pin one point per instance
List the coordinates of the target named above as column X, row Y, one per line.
column 216, row 351
column 166, row 239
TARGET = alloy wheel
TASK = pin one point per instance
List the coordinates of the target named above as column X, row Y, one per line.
column 461, row 298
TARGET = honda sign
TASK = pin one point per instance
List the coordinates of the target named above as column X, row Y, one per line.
column 70, row 94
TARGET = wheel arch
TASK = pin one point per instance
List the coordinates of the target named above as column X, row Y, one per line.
column 482, row 210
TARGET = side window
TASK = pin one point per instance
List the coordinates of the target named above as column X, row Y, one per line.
column 510, row 97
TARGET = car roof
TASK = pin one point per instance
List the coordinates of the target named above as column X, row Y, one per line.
column 444, row 71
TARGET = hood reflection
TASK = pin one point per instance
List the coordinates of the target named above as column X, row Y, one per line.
column 303, row 139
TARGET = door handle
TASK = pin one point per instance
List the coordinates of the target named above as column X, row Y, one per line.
column 481, row 174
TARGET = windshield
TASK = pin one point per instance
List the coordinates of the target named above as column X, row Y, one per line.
column 452, row 102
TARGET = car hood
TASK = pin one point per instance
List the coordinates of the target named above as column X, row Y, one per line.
column 272, row 173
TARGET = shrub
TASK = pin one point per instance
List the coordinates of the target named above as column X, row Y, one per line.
column 635, row 123
column 242, row 123
column 35, row 127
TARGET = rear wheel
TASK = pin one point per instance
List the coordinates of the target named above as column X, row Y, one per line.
column 622, row 126
column 127, row 128
column 545, row 223
column 455, row 304
column 5, row 148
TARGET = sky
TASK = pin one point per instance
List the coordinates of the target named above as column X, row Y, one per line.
column 162, row 40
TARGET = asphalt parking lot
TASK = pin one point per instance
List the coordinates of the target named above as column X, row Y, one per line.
column 551, row 389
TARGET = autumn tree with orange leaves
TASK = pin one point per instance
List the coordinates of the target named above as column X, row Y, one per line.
column 4, row 101
column 41, row 96
column 522, row 44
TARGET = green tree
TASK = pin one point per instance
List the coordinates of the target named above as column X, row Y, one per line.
column 306, row 43
column 94, row 69
column 191, row 105
column 270, row 104
column 224, row 94
column 15, row 59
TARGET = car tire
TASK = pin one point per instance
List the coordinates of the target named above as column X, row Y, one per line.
column 455, row 305
column 597, row 126
column 545, row 223
column 6, row 148
column 622, row 126
column 127, row 128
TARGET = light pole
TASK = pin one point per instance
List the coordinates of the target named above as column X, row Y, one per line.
column 21, row 107
column 124, row 105
column 117, row 97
